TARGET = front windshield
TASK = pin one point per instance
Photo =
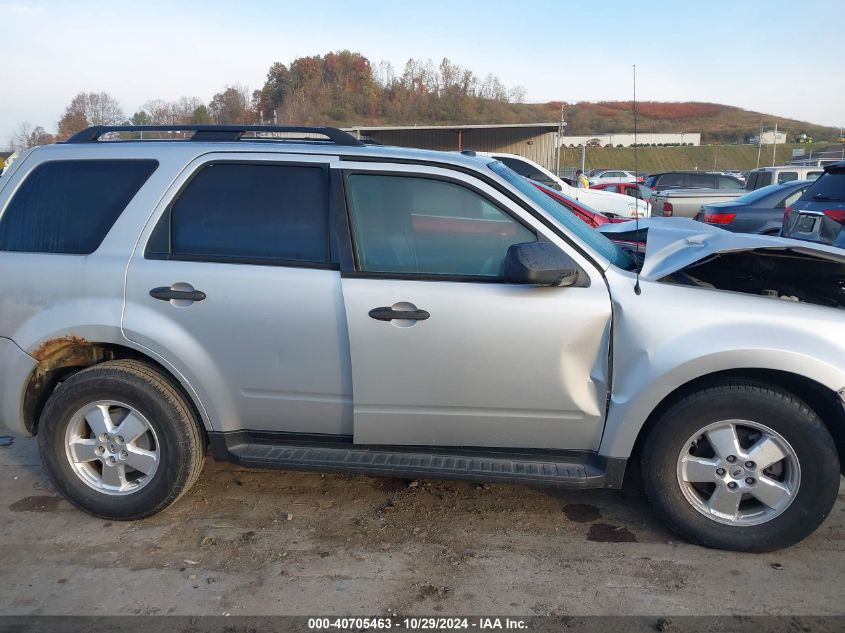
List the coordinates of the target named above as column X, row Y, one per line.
column 615, row 254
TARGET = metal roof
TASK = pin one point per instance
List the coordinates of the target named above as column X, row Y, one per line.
column 497, row 126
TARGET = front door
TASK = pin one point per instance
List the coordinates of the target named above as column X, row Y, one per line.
column 443, row 352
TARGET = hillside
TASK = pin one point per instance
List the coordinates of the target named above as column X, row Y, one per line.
column 705, row 157
column 344, row 88
column 717, row 123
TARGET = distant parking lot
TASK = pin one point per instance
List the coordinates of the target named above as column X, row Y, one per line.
column 263, row 542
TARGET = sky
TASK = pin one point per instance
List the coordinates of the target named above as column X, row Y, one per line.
column 733, row 52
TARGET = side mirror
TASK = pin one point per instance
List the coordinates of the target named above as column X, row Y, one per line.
column 539, row 264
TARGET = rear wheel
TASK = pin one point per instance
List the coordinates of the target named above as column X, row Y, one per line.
column 742, row 467
column 119, row 440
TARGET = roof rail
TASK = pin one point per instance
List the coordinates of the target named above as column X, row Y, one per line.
column 215, row 132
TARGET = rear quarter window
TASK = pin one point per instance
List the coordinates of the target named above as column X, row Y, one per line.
column 69, row 206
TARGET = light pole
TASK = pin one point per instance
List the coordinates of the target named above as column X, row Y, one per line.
column 775, row 145
column 560, row 126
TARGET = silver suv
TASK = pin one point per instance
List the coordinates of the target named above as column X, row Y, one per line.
column 295, row 299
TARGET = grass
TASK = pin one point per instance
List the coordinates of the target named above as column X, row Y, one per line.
column 703, row 157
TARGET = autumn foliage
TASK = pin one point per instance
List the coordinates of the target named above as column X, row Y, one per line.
column 344, row 88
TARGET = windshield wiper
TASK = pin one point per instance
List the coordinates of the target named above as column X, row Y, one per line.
column 821, row 196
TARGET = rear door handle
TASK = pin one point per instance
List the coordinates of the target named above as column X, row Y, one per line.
column 388, row 314
column 164, row 293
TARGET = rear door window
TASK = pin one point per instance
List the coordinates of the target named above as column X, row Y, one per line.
column 248, row 213
column 702, row 181
column 668, row 181
column 786, row 176
column 68, row 206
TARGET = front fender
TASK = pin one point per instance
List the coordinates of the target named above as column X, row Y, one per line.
column 677, row 334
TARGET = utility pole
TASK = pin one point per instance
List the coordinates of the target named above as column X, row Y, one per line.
column 759, row 143
column 775, row 145
column 560, row 126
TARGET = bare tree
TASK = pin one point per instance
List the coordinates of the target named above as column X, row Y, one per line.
column 385, row 75
column 160, row 112
column 26, row 135
column 516, row 94
column 184, row 108
column 90, row 108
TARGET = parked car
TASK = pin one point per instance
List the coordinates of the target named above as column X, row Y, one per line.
column 819, row 214
column 759, row 211
column 529, row 169
column 690, row 180
column 735, row 173
column 635, row 190
column 584, row 213
column 325, row 305
column 612, row 175
column 605, row 202
column 765, row 176
column 686, row 203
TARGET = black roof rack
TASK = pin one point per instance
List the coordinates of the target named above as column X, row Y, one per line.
column 215, row 132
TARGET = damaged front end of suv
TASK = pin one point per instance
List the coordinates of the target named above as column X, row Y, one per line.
column 690, row 253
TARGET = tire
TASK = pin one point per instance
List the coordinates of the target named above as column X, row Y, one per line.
column 678, row 456
column 108, row 475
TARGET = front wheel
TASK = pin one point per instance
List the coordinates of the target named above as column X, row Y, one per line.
column 741, row 467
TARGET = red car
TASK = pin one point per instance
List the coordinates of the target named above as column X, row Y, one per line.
column 593, row 218
column 628, row 188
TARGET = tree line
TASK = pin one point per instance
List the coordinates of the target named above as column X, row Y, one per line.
column 340, row 88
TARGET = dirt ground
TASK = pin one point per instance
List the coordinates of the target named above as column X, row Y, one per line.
column 248, row 542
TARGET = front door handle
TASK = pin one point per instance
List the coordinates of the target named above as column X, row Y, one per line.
column 388, row 314
column 164, row 293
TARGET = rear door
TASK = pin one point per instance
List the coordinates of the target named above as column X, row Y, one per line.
column 235, row 285
column 445, row 353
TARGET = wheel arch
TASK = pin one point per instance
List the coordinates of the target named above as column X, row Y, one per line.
column 61, row 357
column 824, row 401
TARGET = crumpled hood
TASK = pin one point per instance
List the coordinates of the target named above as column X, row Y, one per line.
column 675, row 243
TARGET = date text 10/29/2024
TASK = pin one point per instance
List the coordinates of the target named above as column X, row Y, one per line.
column 419, row 623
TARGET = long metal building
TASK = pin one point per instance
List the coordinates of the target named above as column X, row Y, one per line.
column 536, row 141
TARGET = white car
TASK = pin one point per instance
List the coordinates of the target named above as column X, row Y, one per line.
column 616, row 175
column 606, row 202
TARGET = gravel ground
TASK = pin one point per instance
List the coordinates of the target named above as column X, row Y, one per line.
column 248, row 542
